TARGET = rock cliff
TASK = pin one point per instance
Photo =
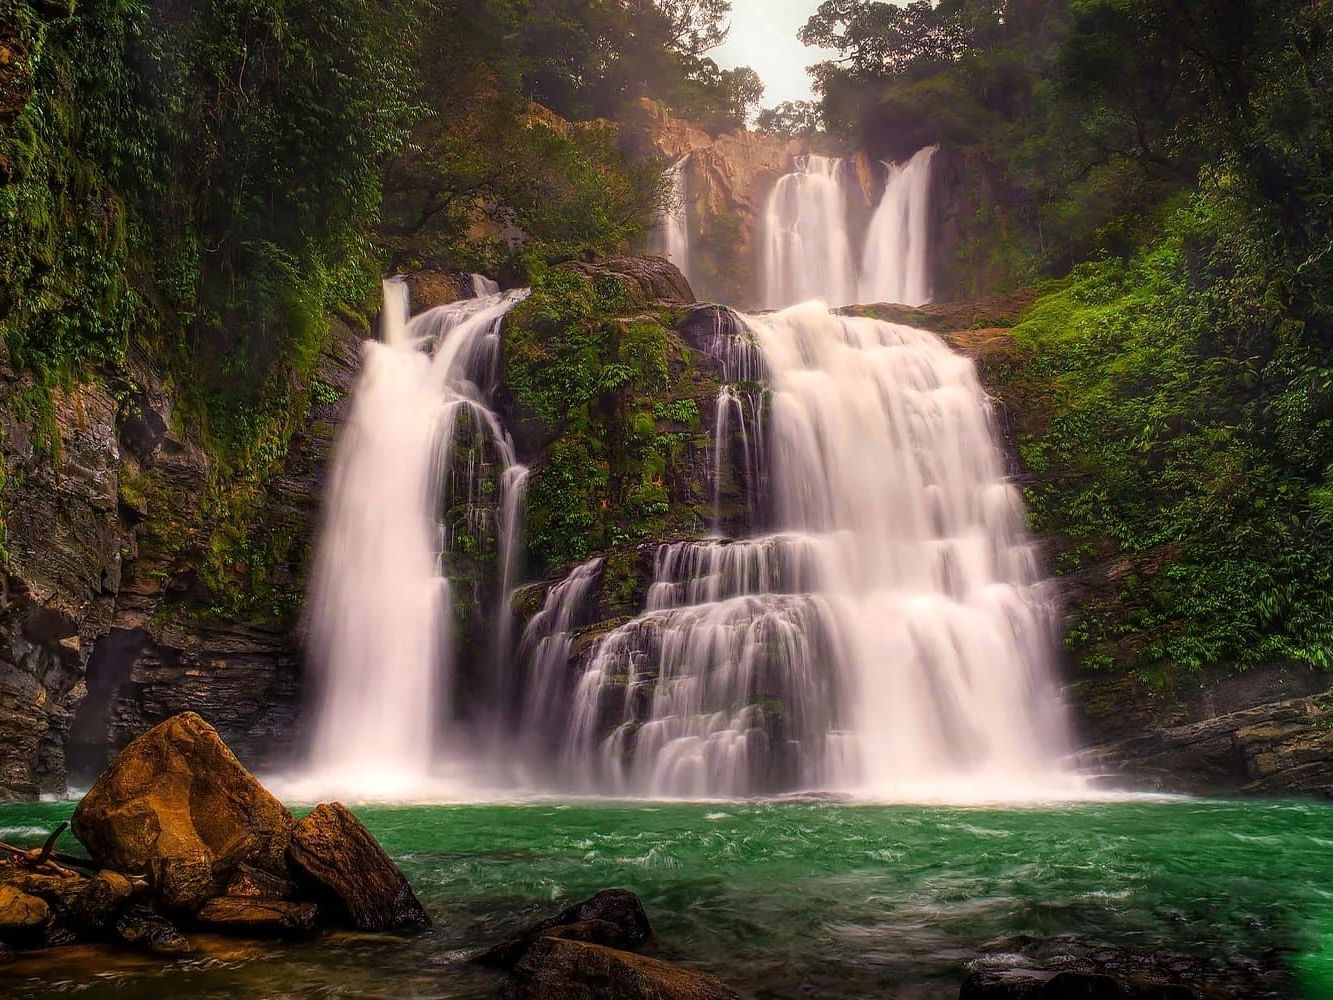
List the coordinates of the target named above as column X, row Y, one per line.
column 728, row 181
column 106, row 627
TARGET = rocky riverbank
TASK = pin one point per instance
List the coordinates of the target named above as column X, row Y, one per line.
column 183, row 841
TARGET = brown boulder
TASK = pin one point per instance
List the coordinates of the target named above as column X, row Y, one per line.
column 253, row 917
column 613, row 917
column 555, row 969
column 649, row 279
column 429, row 288
column 21, row 914
column 177, row 804
column 256, row 884
column 342, row 865
column 59, row 889
column 184, row 882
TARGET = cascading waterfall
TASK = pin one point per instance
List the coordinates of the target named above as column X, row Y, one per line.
column 876, row 624
column 807, row 248
column 895, row 264
column 380, row 619
column 676, row 219
column 892, row 638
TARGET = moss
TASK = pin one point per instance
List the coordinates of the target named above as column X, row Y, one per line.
column 33, row 405
column 611, row 397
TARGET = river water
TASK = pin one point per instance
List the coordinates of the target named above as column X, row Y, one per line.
column 790, row 898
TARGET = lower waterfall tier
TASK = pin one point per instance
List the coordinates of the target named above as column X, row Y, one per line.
column 888, row 636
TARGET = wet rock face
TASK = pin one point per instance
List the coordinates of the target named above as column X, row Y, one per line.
column 335, row 857
column 179, row 806
column 728, row 182
column 1268, row 731
column 555, row 969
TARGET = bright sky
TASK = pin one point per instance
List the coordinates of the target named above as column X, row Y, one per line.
column 763, row 37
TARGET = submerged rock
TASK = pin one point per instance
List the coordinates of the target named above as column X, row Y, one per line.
column 178, row 804
column 340, row 862
column 256, row 917
column 1023, row 984
column 1024, row 968
column 613, row 917
column 100, row 898
column 141, row 928
column 555, row 969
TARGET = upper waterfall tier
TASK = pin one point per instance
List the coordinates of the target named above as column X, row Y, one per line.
column 811, row 249
column 676, row 217
column 807, row 247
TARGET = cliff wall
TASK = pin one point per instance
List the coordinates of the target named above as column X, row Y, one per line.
column 107, row 626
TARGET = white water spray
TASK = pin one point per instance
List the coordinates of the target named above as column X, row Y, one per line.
column 380, row 623
column 808, row 244
column 895, row 266
column 676, row 220
column 807, row 249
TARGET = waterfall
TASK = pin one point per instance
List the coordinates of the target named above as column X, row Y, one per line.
column 676, row 220
column 867, row 615
column 892, row 638
column 380, row 628
column 895, row 264
column 807, row 249
column 807, row 245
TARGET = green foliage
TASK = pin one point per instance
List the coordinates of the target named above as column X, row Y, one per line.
column 594, row 58
column 1165, row 441
column 65, row 242
column 802, row 119
column 594, row 388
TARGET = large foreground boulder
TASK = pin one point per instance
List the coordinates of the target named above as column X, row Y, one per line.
column 558, row 969
column 178, row 806
column 613, row 917
column 343, row 866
